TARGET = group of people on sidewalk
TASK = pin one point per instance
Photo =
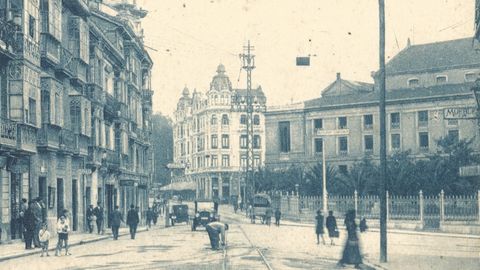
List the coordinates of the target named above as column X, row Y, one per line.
column 351, row 252
column 95, row 217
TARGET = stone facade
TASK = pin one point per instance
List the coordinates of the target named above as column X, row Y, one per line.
column 76, row 105
column 210, row 137
column 344, row 122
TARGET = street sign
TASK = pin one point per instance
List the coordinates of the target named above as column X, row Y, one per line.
column 460, row 113
column 466, row 171
column 331, row 132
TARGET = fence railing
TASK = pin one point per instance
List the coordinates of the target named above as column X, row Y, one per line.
column 429, row 210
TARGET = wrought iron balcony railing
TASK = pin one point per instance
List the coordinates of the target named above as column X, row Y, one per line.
column 9, row 36
column 8, row 132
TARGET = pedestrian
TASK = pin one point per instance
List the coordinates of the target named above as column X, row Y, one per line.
column 331, row 224
column 214, row 230
column 63, row 228
column 23, row 209
column 351, row 251
column 235, row 207
column 90, row 218
column 44, row 236
column 278, row 215
column 363, row 225
column 155, row 216
column 132, row 221
column 38, row 214
column 29, row 226
column 268, row 216
column 116, row 219
column 319, row 227
column 98, row 212
column 150, row 215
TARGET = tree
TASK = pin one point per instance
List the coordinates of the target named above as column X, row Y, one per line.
column 162, row 143
column 314, row 181
column 362, row 177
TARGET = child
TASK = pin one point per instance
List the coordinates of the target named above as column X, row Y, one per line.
column 63, row 228
column 44, row 236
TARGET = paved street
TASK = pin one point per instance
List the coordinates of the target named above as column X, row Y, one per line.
column 255, row 246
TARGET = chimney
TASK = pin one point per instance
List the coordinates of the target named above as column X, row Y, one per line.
column 338, row 76
column 408, row 43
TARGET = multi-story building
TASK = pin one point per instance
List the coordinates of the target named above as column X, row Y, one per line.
column 210, row 137
column 76, row 104
column 422, row 81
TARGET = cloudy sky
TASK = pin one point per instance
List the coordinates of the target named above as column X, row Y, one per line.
column 192, row 37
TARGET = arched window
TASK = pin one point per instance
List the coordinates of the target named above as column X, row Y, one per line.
column 224, row 119
column 214, row 120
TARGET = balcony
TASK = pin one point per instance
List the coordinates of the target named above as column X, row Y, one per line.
column 49, row 137
column 80, row 71
column 81, row 145
column 111, row 106
column 67, row 141
column 395, row 125
column 113, row 159
column 8, row 37
column 79, row 7
column 8, row 133
column 27, row 138
column 66, row 65
column 49, row 49
column 96, row 94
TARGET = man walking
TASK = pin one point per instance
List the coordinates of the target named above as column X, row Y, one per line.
column 98, row 212
column 90, row 218
column 116, row 219
column 215, row 229
column 38, row 217
column 278, row 214
column 150, row 215
column 132, row 221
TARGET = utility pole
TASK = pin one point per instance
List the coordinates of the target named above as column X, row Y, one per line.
column 248, row 60
column 383, row 139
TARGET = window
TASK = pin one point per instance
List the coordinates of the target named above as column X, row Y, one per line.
column 256, row 119
column 31, row 26
column 395, row 120
column 75, row 117
column 441, row 79
column 470, row 77
column 318, row 145
column 214, row 161
column 413, row 82
column 423, row 140
column 343, row 169
column 342, row 145
column 256, row 161
column 214, row 142
column 368, row 121
column 57, row 115
column 256, row 142
column 243, row 161
column 395, row 141
column 51, row 18
column 454, row 135
column 243, row 141
column 224, row 119
column 284, row 128
column 45, row 99
column 32, row 111
column 368, row 140
column 225, row 141
column 423, row 118
column 318, row 123
column 225, row 161
column 243, row 119
column 213, row 121
column 342, row 122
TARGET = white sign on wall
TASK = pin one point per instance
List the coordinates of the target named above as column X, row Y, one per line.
column 460, row 113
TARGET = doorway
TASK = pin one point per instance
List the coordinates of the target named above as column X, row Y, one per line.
column 74, row 204
column 60, row 197
column 15, row 197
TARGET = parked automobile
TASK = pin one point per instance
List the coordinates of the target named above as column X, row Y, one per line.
column 205, row 212
column 179, row 213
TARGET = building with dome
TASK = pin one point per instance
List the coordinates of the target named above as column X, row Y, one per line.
column 210, row 138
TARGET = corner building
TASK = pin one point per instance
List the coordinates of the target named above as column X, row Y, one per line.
column 210, row 138
column 75, row 104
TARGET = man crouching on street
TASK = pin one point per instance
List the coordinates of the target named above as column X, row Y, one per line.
column 215, row 229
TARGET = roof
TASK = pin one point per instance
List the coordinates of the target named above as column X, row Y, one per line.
column 397, row 95
column 255, row 92
column 345, row 87
column 434, row 56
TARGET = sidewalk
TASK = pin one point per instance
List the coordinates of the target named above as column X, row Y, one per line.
column 16, row 248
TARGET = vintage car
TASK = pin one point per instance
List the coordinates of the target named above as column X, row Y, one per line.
column 205, row 212
column 178, row 213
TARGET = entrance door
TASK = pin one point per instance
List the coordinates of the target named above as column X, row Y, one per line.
column 74, row 204
column 42, row 189
column 109, row 201
column 15, row 191
column 60, row 197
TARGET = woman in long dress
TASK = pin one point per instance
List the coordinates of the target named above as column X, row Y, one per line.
column 319, row 227
column 351, row 252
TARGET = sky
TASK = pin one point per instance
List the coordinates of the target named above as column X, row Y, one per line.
column 190, row 38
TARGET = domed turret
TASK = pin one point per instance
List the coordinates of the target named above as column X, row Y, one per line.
column 185, row 92
column 220, row 81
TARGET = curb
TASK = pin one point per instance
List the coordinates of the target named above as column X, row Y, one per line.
column 78, row 243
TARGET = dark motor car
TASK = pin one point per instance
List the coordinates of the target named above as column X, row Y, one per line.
column 179, row 214
column 205, row 212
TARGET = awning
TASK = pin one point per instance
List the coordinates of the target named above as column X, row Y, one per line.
column 179, row 186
